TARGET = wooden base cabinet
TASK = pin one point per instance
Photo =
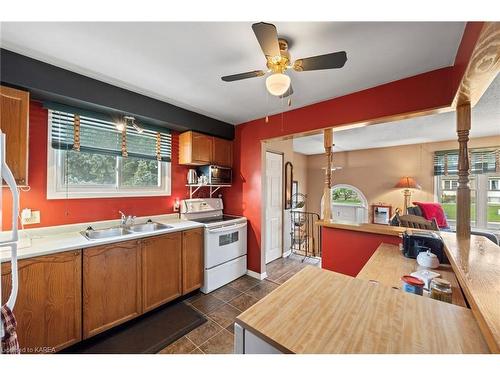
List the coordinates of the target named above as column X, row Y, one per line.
column 161, row 269
column 111, row 286
column 192, row 260
column 48, row 305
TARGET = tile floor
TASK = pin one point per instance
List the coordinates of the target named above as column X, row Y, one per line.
column 223, row 305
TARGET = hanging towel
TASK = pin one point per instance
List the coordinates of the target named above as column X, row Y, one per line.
column 10, row 345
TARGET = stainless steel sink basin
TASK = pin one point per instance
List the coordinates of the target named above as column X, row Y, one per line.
column 105, row 233
column 148, row 227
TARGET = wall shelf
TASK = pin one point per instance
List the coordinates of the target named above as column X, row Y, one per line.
column 193, row 188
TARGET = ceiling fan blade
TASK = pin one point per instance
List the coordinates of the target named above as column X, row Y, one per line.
column 329, row 61
column 288, row 93
column 237, row 77
column 267, row 36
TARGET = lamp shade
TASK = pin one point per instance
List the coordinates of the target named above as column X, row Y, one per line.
column 407, row 183
column 277, row 84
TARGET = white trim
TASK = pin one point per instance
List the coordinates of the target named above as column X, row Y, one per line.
column 256, row 275
column 77, row 193
column 287, row 253
column 265, row 231
column 363, row 206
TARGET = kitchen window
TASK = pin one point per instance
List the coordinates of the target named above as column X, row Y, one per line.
column 484, row 182
column 106, row 161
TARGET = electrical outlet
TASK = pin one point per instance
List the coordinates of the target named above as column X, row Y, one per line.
column 34, row 218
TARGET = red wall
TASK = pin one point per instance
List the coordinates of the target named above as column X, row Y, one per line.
column 67, row 211
column 347, row 251
column 431, row 90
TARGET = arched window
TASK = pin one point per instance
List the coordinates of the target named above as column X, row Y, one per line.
column 348, row 204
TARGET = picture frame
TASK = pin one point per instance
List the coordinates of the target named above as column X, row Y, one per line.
column 381, row 214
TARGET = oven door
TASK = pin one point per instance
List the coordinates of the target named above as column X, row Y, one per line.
column 226, row 243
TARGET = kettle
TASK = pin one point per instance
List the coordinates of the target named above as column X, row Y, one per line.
column 427, row 259
column 192, row 177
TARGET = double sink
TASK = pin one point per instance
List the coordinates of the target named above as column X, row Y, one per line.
column 97, row 234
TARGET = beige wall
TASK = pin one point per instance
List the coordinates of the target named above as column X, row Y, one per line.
column 375, row 171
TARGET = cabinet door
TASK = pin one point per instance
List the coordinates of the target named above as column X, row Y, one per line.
column 222, row 152
column 201, row 148
column 14, row 114
column 161, row 270
column 48, row 305
column 111, row 286
column 192, row 260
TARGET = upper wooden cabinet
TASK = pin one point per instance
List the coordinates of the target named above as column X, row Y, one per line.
column 192, row 260
column 48, row 305
column 161, row 270
column 222, row 152
column 111, row 285
column 200, row 149
column 14, row 118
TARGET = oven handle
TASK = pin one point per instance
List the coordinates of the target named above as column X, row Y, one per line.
column 227, row 229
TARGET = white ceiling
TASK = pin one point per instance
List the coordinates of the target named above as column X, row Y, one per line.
column 485, row 121
column 182, row 62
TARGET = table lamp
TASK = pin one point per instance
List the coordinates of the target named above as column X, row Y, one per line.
column 407, row 183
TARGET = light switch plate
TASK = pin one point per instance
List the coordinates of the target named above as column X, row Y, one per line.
column 33, row 219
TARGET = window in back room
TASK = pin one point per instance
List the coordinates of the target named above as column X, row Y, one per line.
column 484, row 182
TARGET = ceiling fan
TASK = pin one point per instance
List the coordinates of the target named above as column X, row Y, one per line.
column 279, row 61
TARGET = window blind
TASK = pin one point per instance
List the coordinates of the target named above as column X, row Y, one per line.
column 483, row 161
column 480, row 161
column 98, row 135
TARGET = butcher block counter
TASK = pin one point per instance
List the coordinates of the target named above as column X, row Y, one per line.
column 387, row 265
column 476, row 262
column 348, row 248
column 319, row 311
column 364, row 227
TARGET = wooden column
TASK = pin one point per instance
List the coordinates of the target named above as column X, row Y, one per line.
column 328, row 142
column 463, row 190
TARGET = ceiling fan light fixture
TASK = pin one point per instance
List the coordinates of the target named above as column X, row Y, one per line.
column 277, row 84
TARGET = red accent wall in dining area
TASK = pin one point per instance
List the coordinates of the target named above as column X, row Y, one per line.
column 427, row 91
column 69, row 211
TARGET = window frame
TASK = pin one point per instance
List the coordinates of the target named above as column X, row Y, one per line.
column 481, row 190
column 56, row 189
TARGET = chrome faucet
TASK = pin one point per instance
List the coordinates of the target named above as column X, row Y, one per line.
column 126, row 220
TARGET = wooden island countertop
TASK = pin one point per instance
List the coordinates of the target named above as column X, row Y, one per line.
column 476, row 265
column 319, row 311
column 476, row 262
column 387, row 265
column 364, row 227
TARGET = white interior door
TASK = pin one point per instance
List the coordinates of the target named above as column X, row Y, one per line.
column 274, row 206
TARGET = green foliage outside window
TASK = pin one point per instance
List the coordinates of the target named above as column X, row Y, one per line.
column 89, row 169
column 345, row 195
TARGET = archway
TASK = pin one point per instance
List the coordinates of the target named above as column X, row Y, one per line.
column 348, row 204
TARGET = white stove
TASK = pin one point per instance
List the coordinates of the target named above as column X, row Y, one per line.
column 225, row 241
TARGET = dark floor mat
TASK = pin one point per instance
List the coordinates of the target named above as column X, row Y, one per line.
column 145, row 335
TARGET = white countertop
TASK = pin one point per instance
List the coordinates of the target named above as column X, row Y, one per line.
column 51, row 240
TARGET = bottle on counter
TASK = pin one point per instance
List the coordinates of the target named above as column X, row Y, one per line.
column 413, row 285
column 441, row 290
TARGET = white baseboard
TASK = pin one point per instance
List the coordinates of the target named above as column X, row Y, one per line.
column 287, row 253
column 256, row 275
